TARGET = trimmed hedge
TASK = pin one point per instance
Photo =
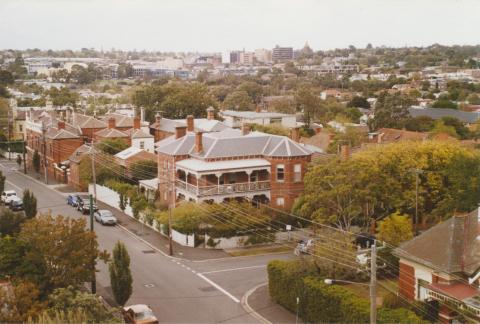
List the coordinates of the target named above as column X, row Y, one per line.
column 324, row 303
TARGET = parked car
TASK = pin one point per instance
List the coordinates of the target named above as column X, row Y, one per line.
column 81, row 199
column 84, row 208
column 105, row 217
column 139, row 314
column 7, row 196
column 73, row 200
column 16, row 203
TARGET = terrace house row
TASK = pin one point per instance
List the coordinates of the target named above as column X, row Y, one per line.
column 232, row 164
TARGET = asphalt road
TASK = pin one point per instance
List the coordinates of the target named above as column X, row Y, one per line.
column 177, row 290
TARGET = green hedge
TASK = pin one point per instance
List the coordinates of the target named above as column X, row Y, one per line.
column 324, row 303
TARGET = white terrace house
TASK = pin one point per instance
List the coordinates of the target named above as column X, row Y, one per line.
column 233, row 164
column 236, row 119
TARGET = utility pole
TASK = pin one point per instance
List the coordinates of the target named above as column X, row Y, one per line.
column 170, row 185
column 44, row 130
column 94, row 282
column 373, row 284
column 8, row 131
column 94, row 175
column 417, row 180
column 24, row 159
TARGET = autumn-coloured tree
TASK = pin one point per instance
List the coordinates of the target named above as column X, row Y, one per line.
column 395, row 229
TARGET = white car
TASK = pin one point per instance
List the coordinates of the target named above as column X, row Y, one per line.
column 105, row 217
column 139, row 314
column 7, row 196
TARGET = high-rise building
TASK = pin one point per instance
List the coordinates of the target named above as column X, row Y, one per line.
column 282, row 53
column 247, row 58
column 235, row 57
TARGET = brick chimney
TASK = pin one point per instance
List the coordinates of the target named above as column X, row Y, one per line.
column 198, row 142
column 190, row 123
column 61, row 124
column 158, row 118
column 136, row 123
column 245, row 129
column 318, row 130
column 180, row 131
column 210, row 113
column 345, row 152
column 111, row 122
column 295, row 134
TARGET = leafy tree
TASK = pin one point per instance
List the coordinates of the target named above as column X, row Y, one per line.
column 63, row 96
column 358, row 102
column 36, row 161
column 308, row 102
column 120, row 275
column 10, row 222
column 112, row 146
column 11, row 258
column 238, row 100
column 462, row 131
column 139, row 203
column 253, row 89
column 419, row 124
column 105, row 169
column 395, row 229
column 62, row 249
column 352, row 137
column 6, row 77
column 24, row 301
column 440, row 128
column 444, row 103
column 285, row 106
column 71, row 300
column 29, row 204
column 145, row 169
column 353, row 114
column 391, row 111
column 473, row 99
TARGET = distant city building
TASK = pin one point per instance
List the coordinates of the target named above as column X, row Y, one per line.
column 247, row 58
column 235, row 57
column 263, row 55
column 282, row 53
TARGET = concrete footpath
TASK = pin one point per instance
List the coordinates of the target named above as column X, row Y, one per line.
column 259, row 301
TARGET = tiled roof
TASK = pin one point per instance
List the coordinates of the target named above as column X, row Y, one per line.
column 120, row 120
column 231, row 143
column 200, row 124
column 54, row 133
column 84, row 121
column 139, row 133
column 320, row 140
column 110, row 133
column 452, row 246
column 393, row 135
column 79, row 153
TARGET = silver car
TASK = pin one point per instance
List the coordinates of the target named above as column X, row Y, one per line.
column 105, row 217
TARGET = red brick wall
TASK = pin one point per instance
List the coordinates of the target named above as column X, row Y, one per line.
column 406, row 281
column 288, row 189
column 159, row 135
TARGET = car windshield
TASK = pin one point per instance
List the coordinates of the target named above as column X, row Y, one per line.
column 144, row 315
column 106, row 213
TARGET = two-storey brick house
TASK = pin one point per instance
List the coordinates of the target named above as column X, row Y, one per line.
column 232, row 164
column 442, row 267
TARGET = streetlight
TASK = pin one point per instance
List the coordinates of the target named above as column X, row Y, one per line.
column 334, row 281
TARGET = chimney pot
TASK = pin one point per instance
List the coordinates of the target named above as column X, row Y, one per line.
column 295, row 134
column 61, row 124
column 190, row 121
column 198, row 142
column 111, row 122
column 245, row 129
column 210, row 113
column 180, row 131
column 136, row 123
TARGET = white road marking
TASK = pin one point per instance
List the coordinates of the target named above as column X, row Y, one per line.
column 235, row 269
column 235, row 299
column 249, row 309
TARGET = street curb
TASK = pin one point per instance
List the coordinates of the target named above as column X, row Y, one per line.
column 236, row 257
column 249, row 309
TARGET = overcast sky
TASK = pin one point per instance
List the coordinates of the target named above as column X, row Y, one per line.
column 222, row 25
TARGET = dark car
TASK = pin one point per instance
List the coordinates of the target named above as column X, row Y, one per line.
column 81, row 199
column 16, row 204
column 85, row 207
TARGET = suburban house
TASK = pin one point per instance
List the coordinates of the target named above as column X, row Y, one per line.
column 235, row 119
column 232, row 164
column 391, row 135
column 442, row 267
column 164, row 127
column 53, row 139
